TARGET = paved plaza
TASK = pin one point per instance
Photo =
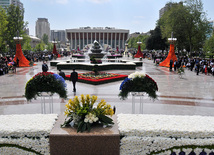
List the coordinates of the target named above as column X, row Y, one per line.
column 190, row 95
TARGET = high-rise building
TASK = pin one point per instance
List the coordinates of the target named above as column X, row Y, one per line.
column 6, row 3
column 86, row 35
column 58, row 35
column 42, row 27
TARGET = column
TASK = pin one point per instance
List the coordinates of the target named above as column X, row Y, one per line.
column 123, row 40
column 103, row 38
column 87, row 38
column 83, row 40
column 79, row 41
column 119, row 40
column 71, row 41
column 91, row 37
column 75, row 41
column 115, row 40
column 107, row 38
column 111, row 39
column 99, row 37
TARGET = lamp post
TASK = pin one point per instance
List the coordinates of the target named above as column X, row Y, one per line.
column 18, row 39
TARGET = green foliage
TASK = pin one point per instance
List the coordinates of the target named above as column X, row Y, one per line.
column 40, row 46
column 45, row 39
column 3, row 29
column 209, row 46
column 188, row 22
column 49, row 47
column 44, row 83
column 15, row 18
column 133, row 41
column 155, row 41
column 83, row 114
column 145, row 84
column 26, row 46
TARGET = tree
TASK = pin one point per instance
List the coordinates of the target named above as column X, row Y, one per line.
column 132, row 42
column 3, row 29
column 40, row 46
column 15, row 18
column 188, row 22
column 27, row 46
column 155, row 41
column 209, row 46
column 45, row 39
column 49, row 46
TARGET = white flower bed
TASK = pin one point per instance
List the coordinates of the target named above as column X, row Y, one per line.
column 25, row 134
column 163, row 134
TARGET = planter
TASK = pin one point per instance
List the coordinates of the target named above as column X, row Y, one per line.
column 98, row 141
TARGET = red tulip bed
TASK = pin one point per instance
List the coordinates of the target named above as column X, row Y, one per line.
column 101, row 78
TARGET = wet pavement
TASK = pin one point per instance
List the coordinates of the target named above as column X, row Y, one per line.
column 190, row 95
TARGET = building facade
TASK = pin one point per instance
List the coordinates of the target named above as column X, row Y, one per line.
column 7, row 3
column 58, row 35
column 42, row 27
column 86, row 35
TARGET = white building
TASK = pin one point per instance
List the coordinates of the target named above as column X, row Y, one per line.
column 86, row 35
column 42, row 27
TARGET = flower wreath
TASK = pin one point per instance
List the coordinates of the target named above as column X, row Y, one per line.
column 138, row 82
column 45, row 82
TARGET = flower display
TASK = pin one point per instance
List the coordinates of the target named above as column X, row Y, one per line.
column 45, row 82
column 165, row 134
column 26, row 134
column 84, row 115
column 101, row 78
column 138, row 82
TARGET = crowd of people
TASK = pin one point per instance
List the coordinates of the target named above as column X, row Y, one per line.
column 8, row 63
column 199, row 65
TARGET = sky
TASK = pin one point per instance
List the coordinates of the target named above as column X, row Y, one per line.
column 134, row 15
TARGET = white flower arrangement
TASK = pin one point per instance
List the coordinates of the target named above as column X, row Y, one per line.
column 137, row 74
column 164, row 134
column 26, row 134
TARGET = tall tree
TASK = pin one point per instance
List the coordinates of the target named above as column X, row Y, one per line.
column 188, row 22
column 209, row 46
column 3, row 29
column 155, row 41
column 26, row 46
column 15, row 18
column 132, row 42
column 45, row 38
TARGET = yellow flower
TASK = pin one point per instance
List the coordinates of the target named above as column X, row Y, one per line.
column 93, row 100
column 88, row 97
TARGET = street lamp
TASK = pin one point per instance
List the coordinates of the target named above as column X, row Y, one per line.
column 172, row 40
column 18, row 39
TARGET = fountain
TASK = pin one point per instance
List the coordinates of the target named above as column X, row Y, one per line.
column 97, row 56
column 96, row 53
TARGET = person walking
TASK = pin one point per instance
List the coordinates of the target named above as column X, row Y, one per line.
column 74, row 79
column 198, row 68
column 175, row 65
column 44, row 66
column 61, row 73
column 170, row 65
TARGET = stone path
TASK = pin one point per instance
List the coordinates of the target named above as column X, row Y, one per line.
column 190, row 95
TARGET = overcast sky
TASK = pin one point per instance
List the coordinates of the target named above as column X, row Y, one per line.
column 134, row 15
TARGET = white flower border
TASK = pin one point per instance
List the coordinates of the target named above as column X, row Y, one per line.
column 29, row 131
column 145, row 134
